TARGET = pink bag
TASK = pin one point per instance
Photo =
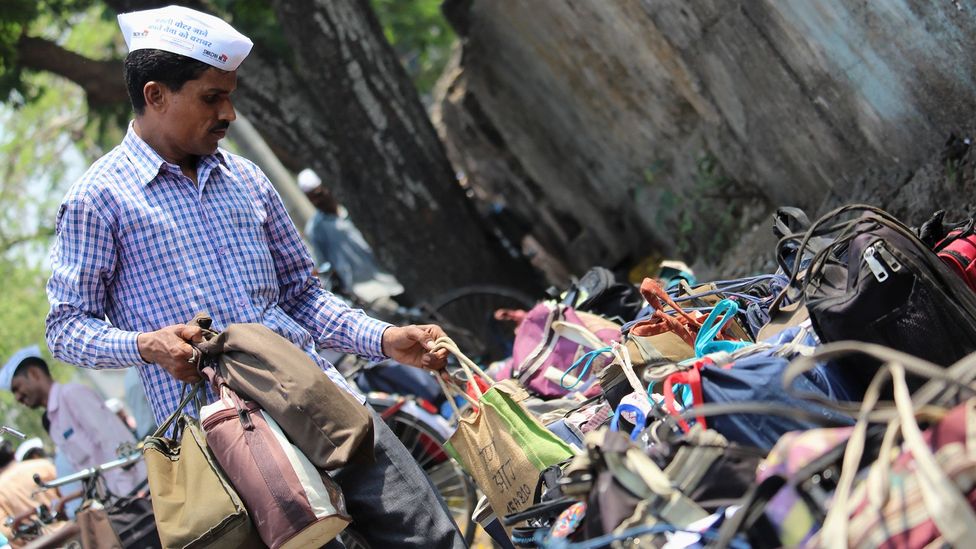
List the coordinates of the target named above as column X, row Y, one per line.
column 550, row 340
column 292, row 504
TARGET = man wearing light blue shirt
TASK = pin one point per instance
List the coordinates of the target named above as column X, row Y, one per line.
column 167, row 224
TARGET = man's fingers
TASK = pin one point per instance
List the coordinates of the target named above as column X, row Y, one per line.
column 433, row 331
column 192, row 333
column 182, row 371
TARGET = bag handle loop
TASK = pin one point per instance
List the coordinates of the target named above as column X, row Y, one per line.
column 639, row 419
column 948, row 509
column 577, row 334
column 471, row 369
column 707, row 339
column 187, row 398
column 960, row 374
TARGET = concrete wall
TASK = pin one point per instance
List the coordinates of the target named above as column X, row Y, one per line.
column 602, row 111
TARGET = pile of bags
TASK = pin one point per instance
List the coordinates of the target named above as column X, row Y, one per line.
column 828, row 404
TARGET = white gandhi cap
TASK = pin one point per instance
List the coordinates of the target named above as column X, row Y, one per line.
column 186, row 32
column 308, row 180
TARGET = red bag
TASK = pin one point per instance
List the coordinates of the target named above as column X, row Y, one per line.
column 960, row 256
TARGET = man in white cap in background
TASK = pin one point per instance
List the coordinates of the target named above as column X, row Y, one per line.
column 32, row 448
column 167, row 224
column 336, row 241
column 79, row 424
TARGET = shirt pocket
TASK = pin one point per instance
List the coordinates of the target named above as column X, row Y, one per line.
column 150, row 241
column 76, row 448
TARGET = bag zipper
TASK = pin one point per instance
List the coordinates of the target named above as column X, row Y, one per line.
column 888, row 257
column 876, row 268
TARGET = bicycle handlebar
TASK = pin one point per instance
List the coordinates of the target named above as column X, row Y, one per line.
column 88, row 473
column 11, row 431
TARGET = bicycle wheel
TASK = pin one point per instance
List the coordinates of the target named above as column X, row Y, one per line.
column 424, row 435
column 467, row 314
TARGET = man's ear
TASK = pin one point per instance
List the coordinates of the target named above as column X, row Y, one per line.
column 155, row 95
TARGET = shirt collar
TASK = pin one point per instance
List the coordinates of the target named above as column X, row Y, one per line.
column 148, row 163
column 53, row 398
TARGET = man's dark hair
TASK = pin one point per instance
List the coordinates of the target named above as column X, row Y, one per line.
column 31, row 362
column 148, row 65
column 6, row 453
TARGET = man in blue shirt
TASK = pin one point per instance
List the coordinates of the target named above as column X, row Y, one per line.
column 335, row 240
column 167, row 224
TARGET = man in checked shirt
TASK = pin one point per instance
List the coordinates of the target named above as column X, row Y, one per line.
column 167, row 224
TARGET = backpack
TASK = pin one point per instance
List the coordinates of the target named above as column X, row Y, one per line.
column 958, row 252
column 955, row 244
column 600, row 293
column 758, row 378
column 550, row 342
column 876, row 282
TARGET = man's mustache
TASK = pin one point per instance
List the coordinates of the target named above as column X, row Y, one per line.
column 219, row 126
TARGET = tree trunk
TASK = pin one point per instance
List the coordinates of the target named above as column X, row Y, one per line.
column 357, row 120
column 345, row 107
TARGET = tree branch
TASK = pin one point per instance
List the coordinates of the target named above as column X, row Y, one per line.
column 101, row 80
column 6, row 244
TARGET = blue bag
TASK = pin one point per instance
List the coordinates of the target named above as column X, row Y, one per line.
column 759, row 378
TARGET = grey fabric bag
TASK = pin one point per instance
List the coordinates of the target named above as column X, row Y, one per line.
column 326, row 422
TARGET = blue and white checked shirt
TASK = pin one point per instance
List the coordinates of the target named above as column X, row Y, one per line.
column 140, row 247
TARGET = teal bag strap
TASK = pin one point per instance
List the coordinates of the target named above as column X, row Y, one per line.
column 588, row 357
column 705, row 342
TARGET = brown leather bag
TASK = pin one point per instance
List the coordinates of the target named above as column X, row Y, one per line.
column 293, row 504
column 327, row 423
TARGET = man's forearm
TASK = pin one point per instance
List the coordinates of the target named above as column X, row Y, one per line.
column 82, row 340
column 335, row 325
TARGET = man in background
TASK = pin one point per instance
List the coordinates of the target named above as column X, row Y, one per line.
column 81, row 426
column 336, row 241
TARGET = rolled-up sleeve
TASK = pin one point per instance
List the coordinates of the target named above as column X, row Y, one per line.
column 83, row 262
column 332, row 323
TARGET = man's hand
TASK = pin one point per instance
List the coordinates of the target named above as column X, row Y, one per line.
column 169, row 348
column 410, row 345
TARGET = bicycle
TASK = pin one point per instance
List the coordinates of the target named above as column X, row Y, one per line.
column 33, row 525
column 467, row 314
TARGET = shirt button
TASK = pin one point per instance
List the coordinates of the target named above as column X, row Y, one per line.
column 222, row 251
column 242, row 302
